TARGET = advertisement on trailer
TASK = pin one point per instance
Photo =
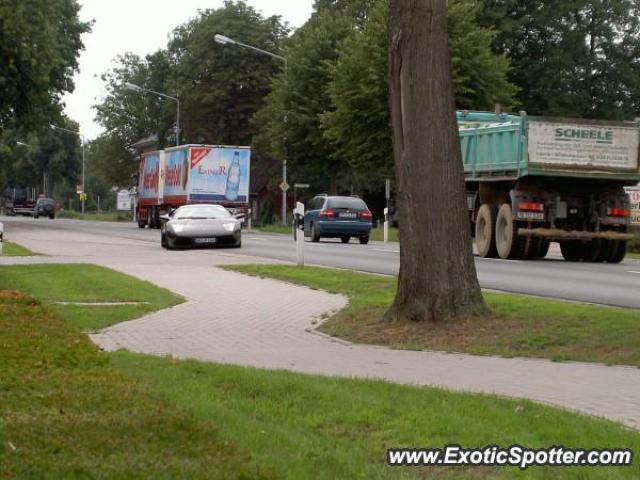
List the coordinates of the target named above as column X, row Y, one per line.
column 219, row 174
column 634, row 203
column 176, row 174
column 150, row 176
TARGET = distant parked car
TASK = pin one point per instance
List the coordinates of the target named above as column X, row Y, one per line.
column 45, row 207
column 200, row 226
column 337, row 217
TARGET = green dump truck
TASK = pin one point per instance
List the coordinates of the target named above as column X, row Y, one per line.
column 533, row 180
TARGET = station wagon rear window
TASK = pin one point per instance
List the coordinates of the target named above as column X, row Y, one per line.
column 346, row 203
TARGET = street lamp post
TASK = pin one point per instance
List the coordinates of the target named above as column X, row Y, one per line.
column 223, row 40
column 55, row 127
column 138, row 88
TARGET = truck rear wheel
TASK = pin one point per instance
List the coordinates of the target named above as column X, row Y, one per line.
column 572, row 250
column 596, row 250
column 508, row 243
column 485, row 231
column 617, row 251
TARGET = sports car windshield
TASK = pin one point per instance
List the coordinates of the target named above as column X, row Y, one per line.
column 202, row 212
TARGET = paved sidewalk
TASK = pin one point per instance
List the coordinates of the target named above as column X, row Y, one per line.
column 232, row 318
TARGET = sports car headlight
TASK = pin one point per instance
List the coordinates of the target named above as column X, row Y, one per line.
column 230, row 227
column 177, row 228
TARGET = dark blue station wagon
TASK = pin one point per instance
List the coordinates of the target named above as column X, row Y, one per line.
column 337, row 217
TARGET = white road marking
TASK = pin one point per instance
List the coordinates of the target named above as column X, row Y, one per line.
column 385, row 251
column 632, row 271
column 258, row 238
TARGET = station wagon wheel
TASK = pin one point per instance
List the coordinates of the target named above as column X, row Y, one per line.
column 315, row 235
column 345, row 238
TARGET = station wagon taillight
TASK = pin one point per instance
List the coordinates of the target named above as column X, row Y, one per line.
column 327, row 213
column 366, row 215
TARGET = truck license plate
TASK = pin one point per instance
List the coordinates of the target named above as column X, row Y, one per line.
column 206, row 240
column 531, row 215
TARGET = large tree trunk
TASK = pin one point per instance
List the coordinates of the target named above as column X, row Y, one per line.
column 437, row 278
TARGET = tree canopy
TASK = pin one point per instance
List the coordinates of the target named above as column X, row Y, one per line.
column 359, row 88
column 220, row 87
column 576, row 58
column 40, row 41
column 335, row 97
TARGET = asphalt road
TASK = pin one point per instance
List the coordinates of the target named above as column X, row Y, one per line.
column 617, row 285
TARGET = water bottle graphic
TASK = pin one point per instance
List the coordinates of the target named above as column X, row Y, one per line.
column 233, row 178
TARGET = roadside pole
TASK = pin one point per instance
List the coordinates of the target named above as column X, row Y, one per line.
column 298, row 221
column 284, row 186
column 387, row 196
column 386, row 225
column 1, row 236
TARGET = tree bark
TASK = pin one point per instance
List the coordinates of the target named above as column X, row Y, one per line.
column 437, row 279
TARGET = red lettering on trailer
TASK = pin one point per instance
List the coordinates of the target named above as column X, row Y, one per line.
column 150, row 179
column 173, row 176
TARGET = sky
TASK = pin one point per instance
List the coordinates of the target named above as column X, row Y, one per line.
column 142, row 27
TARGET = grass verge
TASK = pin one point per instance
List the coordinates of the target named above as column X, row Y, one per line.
column 520, row 326
column 65, row 412
column 313, row 427
column 51, row 283
column 14, row 250
column 100, row 217
column 70, row 411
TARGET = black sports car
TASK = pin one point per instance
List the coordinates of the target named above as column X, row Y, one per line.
column 200, row 226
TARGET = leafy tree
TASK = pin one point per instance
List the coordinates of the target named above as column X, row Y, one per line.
column 222, row 86
column 291, row 121
column 40, row 41
column 49, row 161
column 571, row 58
column 437, row 280
column 129, row 116
column 359, row 88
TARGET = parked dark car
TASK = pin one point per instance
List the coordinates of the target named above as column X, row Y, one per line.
column 337, row 217
column 45, row 207
column 200, row 225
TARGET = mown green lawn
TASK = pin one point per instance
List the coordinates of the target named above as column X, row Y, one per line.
column 520, row 325
column 68, row 410
column 14, row 250
column 100, row 217
column 51, row 283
